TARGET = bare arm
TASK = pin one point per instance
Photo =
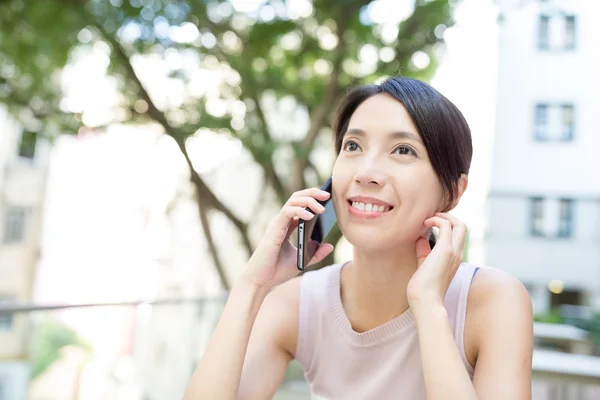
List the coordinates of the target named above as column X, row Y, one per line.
column 270, row 334
column 503, row 333
column 218, row 372
column 443, row 370
column 252, row 322
column 503, row 338
column 272, row 343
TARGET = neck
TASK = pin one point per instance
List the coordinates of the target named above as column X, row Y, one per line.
column 374, row 285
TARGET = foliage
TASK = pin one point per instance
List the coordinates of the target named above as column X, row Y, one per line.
column 594, row 328
column 308, row 57
column 551, row 317
column 49, row 337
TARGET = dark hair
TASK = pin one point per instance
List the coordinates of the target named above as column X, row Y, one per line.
column 443, row 129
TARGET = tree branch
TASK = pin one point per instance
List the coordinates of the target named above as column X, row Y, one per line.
column 214, row 202
column 153, row 111
column 268, row 167
column 321, row 112
column 211, row 246
column 313, row 167
column 249, row 88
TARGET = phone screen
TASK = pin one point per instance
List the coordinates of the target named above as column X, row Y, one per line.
column 313, row 232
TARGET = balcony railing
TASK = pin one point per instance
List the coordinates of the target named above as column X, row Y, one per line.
column 160, row 341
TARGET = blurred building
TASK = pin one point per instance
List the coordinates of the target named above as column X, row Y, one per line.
column 23, row 161
column 544, row 200
column 170, row 338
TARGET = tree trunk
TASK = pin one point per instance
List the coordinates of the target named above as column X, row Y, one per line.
column 214, row 252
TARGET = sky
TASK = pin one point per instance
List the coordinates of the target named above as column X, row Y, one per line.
column 98, row 207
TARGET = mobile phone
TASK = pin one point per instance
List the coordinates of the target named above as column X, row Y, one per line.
column 311, row 233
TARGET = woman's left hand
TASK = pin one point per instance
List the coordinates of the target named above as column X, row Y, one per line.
column 436, row 267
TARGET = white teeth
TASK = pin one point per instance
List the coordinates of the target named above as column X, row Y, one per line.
column 369, row 207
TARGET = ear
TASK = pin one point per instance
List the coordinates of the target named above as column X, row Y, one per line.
column 461, row 187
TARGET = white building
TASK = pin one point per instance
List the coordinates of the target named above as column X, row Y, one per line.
column 23, row 161
column 544, row 200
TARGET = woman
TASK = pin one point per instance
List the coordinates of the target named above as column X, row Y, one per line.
column 402, row 320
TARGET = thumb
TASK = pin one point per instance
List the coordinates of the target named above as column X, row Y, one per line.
column 423, row 250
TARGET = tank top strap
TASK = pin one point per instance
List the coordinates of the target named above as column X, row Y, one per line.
column 455, row 303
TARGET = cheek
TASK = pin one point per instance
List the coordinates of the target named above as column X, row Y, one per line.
column 422, row 197
column 341, row 175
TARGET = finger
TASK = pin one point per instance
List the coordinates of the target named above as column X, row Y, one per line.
column 313, row 245
column 423, row 250
column 292, row 227
column 323, row 251
column 281, row 224
column 445, row 227
column 307, row 202
column 312, row 192
column 459, row 231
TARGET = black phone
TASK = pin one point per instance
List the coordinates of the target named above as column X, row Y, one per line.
column 311, row 233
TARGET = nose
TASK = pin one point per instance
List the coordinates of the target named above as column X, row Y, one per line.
column 369, row 173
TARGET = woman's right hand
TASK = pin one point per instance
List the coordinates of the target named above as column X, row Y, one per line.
column 275, row 259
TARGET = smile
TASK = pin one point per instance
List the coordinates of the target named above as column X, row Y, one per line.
column 369, row 207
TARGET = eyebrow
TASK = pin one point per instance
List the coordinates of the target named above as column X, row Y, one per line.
column 395, row 135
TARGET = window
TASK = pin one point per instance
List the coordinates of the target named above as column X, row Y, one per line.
column 6, row 320
column 566, row 218
column 554, row 122
column 14, row 225
column 570, row 297
column 551, row 218
column 567, row 122
column 556, row 32
column 27, row 145
column 541, row 121
column 544, row 32
column 537, row 216
column 569, row 32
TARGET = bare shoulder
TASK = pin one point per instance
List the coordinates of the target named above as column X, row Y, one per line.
column 492, row 285
column 496, row 301
column 280, row 312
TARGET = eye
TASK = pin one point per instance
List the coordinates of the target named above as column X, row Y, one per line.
column 351, row 146
column 404, row 150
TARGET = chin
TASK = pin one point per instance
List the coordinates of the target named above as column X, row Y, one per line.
column 375, row 239
column 371, row 241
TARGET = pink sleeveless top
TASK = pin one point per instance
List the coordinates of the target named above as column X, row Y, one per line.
column 382, row 363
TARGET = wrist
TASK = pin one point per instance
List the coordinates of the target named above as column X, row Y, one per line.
column 247, row 285
column 428, row 307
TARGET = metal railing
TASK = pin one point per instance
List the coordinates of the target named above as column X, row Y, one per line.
column 165, row 337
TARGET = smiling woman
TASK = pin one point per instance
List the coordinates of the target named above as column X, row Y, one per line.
column 445, row 134
column 404, row 318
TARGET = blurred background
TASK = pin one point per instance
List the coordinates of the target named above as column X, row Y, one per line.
column 145, row 145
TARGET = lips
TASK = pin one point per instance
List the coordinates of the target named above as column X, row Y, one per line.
column 368, row 206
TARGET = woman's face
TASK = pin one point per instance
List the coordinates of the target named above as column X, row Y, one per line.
column 384, row 186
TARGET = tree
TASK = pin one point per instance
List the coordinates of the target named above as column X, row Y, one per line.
column 291, row 50
column 50, row 336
